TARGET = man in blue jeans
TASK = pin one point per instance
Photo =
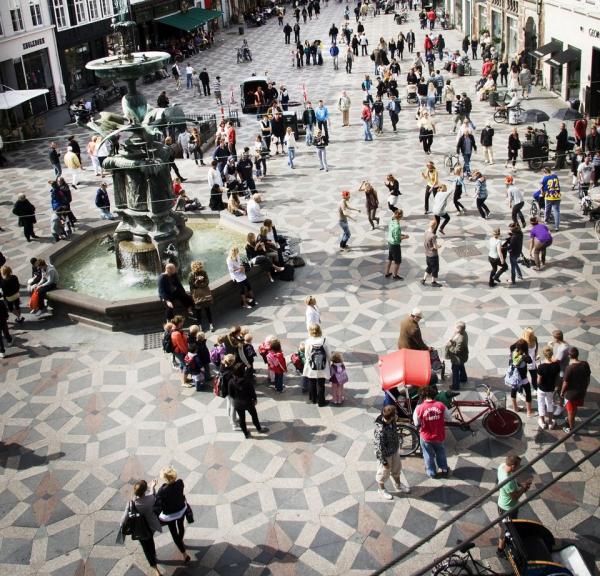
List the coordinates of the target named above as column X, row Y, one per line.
column 322, row 116
column 344, row 210
column 551, row 191
column 431, row 417
column 466, row 146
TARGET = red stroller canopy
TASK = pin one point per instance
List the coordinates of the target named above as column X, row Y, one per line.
column 405, row 368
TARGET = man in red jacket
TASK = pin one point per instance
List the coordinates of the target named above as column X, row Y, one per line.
column 431, row 16
column 431, row 416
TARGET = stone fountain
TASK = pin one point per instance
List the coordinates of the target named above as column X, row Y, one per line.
column 150, row 232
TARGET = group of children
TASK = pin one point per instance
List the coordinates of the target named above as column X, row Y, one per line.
column 201, row 366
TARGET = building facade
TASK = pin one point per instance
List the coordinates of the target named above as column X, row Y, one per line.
column 28, row 53
column 571, row 52
column 83, row 33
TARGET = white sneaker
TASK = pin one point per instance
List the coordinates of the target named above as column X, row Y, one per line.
column 542, row 423
column 2, row 355
column 385, row 494
column 403, row 488
column 552, row 425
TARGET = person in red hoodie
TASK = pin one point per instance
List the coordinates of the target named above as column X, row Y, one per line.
column 427, row 44
column 580, row 128
column 431, row 416
column 180, row 348
column 487, row 67
column 277, row 365
column 431, row 16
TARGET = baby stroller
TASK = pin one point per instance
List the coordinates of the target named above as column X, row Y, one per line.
column 411, row 94
column 244, row 54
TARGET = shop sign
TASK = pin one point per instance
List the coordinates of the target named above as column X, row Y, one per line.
column 33, row 43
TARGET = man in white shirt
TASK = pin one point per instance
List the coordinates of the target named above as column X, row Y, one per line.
column 188, row 75
column 253, row 209
column 585, row 175
column 515, row 200
column 184, row 141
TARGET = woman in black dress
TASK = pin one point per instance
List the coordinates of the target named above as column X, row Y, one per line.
column 243, row 394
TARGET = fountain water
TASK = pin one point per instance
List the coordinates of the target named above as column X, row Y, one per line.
column 140, row 164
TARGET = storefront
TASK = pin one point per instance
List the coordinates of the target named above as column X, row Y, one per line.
column 570, row 55
column 30, row 62
column 512, row 36
column 482, row 18
column 77, row 46
column 496, row 31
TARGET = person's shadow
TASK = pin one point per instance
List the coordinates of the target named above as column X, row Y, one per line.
column 20, row 458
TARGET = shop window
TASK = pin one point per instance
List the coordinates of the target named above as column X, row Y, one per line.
column 573, row 76
column 80, row 79
column 556, row 75
column 17, row 19
column 512, row 38
column 93, row 9
column 80, row 14
column 496, row 29
column 36, row 13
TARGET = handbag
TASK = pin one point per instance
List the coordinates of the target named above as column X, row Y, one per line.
column 135, row 525
column 512, row 377
column 189, row 514
column 34, row 301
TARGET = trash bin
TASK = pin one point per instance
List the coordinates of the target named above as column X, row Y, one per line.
column 240, row 30
column 493, row 98
column 460, row 69
column 575, row 104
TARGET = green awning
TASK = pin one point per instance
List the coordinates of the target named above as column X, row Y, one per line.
column 191, row 19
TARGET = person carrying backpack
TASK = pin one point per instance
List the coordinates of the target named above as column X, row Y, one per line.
column 276, row 362
column 316, row 367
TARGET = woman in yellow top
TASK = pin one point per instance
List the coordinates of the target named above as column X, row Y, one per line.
column 430, row 175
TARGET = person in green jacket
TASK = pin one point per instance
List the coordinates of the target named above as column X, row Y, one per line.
column 395, row 238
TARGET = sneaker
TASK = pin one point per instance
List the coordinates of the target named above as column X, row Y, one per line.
column 263, row 430
column 403, row 488
column 445, row 473
column 236, row 428
column 9, row 340
column 436, row 284
column 552, row 425
column 542, row 423
column 566, row 429
column 212, row 328
column 385, row 494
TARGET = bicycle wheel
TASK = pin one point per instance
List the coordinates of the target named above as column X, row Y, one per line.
column 534, row 210
column 409, row 439
column 597, row 229
column 500, row 116
column 502, row 422
column 453, row 566
column 536, row 164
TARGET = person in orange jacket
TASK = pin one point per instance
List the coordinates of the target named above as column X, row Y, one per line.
column 180, row 348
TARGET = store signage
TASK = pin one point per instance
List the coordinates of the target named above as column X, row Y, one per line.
column 33, row 43
column 594, row 33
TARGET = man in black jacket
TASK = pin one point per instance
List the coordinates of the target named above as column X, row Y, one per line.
column 466, row 145
column 468, row 106
column 244, row 170
column 205, row 79
column 592, row 142
column 486, row 140
column 171, row 146
column 309, row 119
column 296, row 32
column 287, row 30
column 171, row 291
column 333, row 32
column 54, row 159
column 562, row 141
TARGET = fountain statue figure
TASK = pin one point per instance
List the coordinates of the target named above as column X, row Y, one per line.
column 140, row 163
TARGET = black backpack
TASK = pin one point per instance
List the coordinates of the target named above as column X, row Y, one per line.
column 167, row 343
column 318, row 358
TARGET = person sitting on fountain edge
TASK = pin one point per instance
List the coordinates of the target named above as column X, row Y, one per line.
column 170, row 291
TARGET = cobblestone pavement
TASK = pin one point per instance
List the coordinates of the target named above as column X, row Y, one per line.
column 85, row 413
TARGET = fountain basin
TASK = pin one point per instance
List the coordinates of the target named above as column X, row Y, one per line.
column 111, row 300
column 123, row 68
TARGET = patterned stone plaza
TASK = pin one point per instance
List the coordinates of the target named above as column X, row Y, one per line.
column 85, row 413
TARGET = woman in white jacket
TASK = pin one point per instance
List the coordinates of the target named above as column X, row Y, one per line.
column 316, row 365
column 313, row 316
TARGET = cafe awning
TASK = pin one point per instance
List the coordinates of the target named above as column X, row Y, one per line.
column 190, row 19
column 552, row 46
column 569, row 55
column 12, row 98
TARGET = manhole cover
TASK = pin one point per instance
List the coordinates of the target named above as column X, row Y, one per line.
column 153, row 340
column 467, row 251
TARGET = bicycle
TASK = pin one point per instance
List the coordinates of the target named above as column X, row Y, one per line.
column 465, row 564
column 534, row 209
column 501, row 114
column 451, row 161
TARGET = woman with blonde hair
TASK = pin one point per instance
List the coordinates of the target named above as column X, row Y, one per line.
column 200, row 291
column 171, row 506
column 237, row 273
column 234, row 206
column 313, row 316
column 316, row 366
column 532, row 343
column 144, row 502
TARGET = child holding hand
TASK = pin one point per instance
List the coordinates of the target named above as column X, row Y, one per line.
column 339, row 377
column 277, row 365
